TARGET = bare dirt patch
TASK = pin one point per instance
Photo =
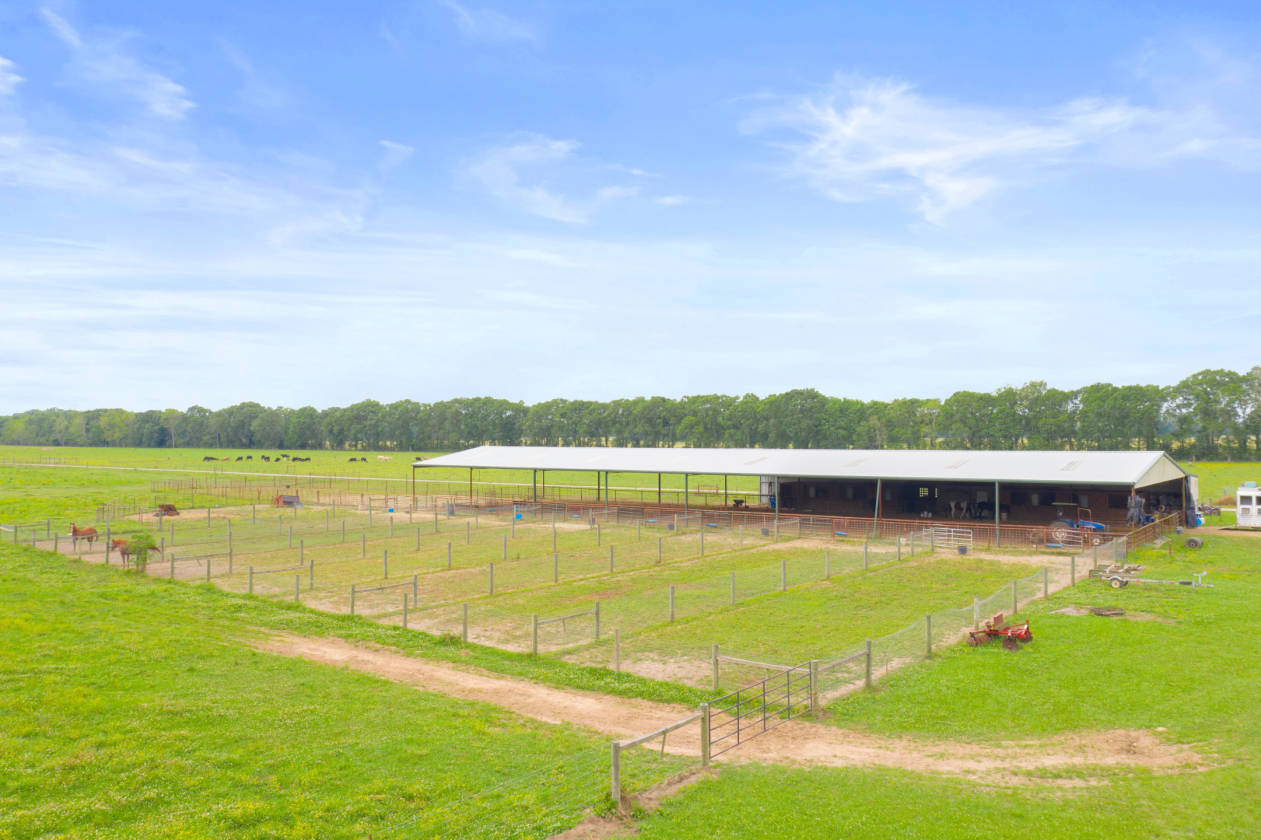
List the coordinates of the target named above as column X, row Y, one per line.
column 1103, row 612
column 792, row 743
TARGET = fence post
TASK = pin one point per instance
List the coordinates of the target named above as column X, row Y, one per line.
column 1046, row 583
column 783, row 574
column 864, row 555
column 733, row 589
column 467, row 533
column 172, row 574
column 352, row 599
column 928, row 636
column 251, row 590
column 291, row 536
column 639, row 531
column 343, row 530
column 1094, row 555
column 326, row 520
column 932, row 540
column 899, row 547
column 702, row 539
column 705, row 747
column 385, row 564
column 597, row 621
column 814, row 686
column 555, row 568
column 301, row 552
column 617, row 651
column 740, row 531
column 108, row 544
column 1015, row 603
column 1072, row 570
column 448, row 555
column 976, row 612
column 404, row 610
column 615, row 768
column 672, row 602
column 534, row 635
column 464, row 624
column 415, row 589
column 598, row 537
column 867, row 674
column 391, row 524
column 491, row 568
column 297, row 589
column 827, row 565
column 209, row 561
column 912, row 543
column 363, row 544
column 504, row 552
column 713, row 658
column 658, row 551
column 310, row 582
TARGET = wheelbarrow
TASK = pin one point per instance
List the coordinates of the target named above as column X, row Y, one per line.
column 996, row 628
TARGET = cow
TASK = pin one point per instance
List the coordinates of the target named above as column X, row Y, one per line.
column 239, row 458
column 77, row 533
column 249, row 457
column 265, row 458
column 209, row 458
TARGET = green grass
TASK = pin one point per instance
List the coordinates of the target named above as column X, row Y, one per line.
column 135, row 707
column 1219, row 479
column 1193, row 672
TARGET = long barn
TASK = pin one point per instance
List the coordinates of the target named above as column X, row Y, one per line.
column 1003, row 487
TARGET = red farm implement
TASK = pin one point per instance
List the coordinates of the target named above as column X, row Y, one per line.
column 996, row 628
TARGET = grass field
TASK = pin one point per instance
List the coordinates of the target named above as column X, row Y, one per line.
column 138, row 706
column 1220, row 479
column 1187, row 671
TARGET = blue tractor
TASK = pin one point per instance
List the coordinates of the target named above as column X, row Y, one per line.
column 1066, row 526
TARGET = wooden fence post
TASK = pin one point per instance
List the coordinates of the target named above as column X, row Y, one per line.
column 864, row 555
column 814, row 686
column 464, row 624
column 1072, row 570
column 733, row 589
column 448, row 555
column 615, row 772
column 555, row 568
column 617, row 651
column 534, row 635
column 928, row 636
column 827, row 565
column 705, row 745
column 672, row 602
column 415, row 589
column 597, row 621
column 610, row 559
column 352, row 599
column 713, row 658
column 783, row 575
column 490, row 567
column 867, row 674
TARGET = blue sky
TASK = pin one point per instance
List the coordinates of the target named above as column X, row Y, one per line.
column 316, row 203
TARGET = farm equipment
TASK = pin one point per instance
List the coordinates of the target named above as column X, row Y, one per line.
column 1119, row 576
column 996, row 628
column 1063, row 528
column 166, row 510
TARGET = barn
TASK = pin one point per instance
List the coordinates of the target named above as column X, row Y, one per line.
column 1022, row 487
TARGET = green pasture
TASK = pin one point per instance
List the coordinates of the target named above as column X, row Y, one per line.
column 1185, row 671
column 1220, row 479
column 137, row 707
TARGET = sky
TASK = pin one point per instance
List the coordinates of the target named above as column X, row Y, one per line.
column 321, row 202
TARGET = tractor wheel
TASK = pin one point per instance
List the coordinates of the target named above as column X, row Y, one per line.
column 1059, row 534
column 1194, row 542
column 1116, row 583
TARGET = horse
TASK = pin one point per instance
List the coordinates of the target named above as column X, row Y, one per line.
column 209, row 458
column 77, row 534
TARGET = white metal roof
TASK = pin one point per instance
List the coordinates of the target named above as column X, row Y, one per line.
column 1040, row 467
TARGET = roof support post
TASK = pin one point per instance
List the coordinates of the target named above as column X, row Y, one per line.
column 534, row 485
column 606, row 489
column 777, row 507
column 658, row 488
column 875, row 522
column 544, row 472
column 997, row 520
column 470, row 485
column 685, row 492
column 725, row 500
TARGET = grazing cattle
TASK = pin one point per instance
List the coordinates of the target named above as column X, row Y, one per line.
column 77, row 533
column 265, row 458
column 249, row 457
column 239, row 458
column 210, row 458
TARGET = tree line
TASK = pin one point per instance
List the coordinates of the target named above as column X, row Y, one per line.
column 1210, row 414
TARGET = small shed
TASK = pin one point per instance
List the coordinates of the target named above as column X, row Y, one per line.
column 287, row 500
column 1248, row 505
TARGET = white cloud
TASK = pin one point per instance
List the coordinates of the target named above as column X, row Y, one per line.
column 9, row 79
column 394, row 154
column 500, row 170
column 672, row 200
column 864, row 139
column 105, row 61
column 489, row 25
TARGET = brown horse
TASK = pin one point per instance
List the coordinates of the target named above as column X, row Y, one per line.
column 77, row 534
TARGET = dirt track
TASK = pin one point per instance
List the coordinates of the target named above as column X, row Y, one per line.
column 793, row 743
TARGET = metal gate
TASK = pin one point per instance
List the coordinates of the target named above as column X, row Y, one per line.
column 757, row 708
column 944, row 537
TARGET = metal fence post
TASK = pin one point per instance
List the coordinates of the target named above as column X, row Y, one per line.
column 705, row 746
column 534, row 635
column 783, row 574
column 467, row 533
column 343, row 530
column 733, row 589
column 1094, row 555
column 464, row 625
column 490, row 567
column 617, row 651
column 352, row 599
column 615, row 768
column 928, row 636
column 310, row 582
column 713, row 658
column 1046, row 583
column 814, row 686
column 597, row 621
column 867, row 674
column 672, row 602
column 1015, row 603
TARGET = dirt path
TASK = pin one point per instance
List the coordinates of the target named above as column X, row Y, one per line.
column 792, row 743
